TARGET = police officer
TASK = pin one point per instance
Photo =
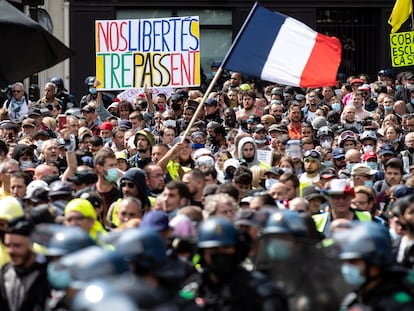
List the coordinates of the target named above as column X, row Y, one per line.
column 287, row 252
column 368, row 267
column 224, row 284
column 145, row 251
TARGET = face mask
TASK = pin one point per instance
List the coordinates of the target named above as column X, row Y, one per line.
column 410, row 149
column 352, row 275
column 368, row 183
column 398, row 87
column 270, row 182
column 223, row 265
column 326, row 144
column 111, row 174
column 388, row 108
column 175, row 106
column 279, row 249
column 58, row 278
column 349, row 166
column 213, row 73
column 336, row 106
column 368, row 148
column 93, row 90
column 106, row 140
column 25, row 164
column 287, row 170
column 409, row 86
column 412, row 101
column 328, row 163
column 373, row 165
column 39, row 145
column 197, row 146
column 260, row 141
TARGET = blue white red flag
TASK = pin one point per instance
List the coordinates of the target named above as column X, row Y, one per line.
column 280, row 49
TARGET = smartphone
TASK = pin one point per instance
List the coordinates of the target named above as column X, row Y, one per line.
column 61, row 121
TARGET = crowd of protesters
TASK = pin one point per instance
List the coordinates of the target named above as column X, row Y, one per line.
column 276, row 198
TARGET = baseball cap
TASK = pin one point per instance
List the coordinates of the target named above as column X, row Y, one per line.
column 176, row 97
column 278, row 128
column 246, row 217
column 274, row 170
column 231, row 162
column 88, row 108
column 338, row 153
column 328, row 173
column 125, row 124
column 83, row 177
column 59, row 187
column 259, row 128
column 210, row 102
column 311, row 192
column 148, row 135
column 35, row 184
column 29, row 122
column 387, row 149
column 155, row 220
column 253, row 119
column 106, row 126
column 356, row 80
column 362, row 169
column 369, row 155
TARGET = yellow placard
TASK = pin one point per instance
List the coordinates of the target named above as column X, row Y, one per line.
column 402, row 49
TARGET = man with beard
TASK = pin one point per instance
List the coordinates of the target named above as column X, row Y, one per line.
column 23, row 281
column 217, row 138
column 248, row 107
column 195, row 181
column 312, row 163
column 295, row 126
column 276, row 110
column 154, row 178
column 247, row 151
column 144, row 140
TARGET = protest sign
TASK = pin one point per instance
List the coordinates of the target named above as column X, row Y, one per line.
column 162, row 52
column 402, row 49
column 132, row 93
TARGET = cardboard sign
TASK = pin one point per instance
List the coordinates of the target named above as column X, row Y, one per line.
column 162, row 52
column 402, row 49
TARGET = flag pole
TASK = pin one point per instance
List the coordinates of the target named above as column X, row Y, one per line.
column 219, row 71
column 201, row 105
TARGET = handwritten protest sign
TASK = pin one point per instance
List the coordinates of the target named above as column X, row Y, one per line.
column 162, row 52
column 402, row 49
column 132, row 93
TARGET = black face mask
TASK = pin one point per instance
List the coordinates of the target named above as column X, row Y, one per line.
column 223, row 265
column 410, row 149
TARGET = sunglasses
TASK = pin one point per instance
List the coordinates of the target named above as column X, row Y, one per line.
column 312, row 153
column 16, row 91
column 128, row 184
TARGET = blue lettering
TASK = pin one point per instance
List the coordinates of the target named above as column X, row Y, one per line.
column 156, row 34
column 130, row 47
column 165, row 30
column 146, row 36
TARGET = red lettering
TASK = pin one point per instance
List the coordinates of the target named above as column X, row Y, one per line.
column 121, row 35
column 104, row 33
column 175, row 69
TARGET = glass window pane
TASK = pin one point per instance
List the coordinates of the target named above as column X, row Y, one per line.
column 214, row 46
column 142, row 14
column 209, row 17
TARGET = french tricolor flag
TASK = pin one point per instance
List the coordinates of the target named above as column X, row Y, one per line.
column 280, row 49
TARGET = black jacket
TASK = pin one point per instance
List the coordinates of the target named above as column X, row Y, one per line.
column 28, row 288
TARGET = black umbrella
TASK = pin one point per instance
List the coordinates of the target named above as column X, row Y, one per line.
column 27, row 47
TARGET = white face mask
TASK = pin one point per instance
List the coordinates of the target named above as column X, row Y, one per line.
column 368, row 148
column 326, row 144
column 270, row 182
